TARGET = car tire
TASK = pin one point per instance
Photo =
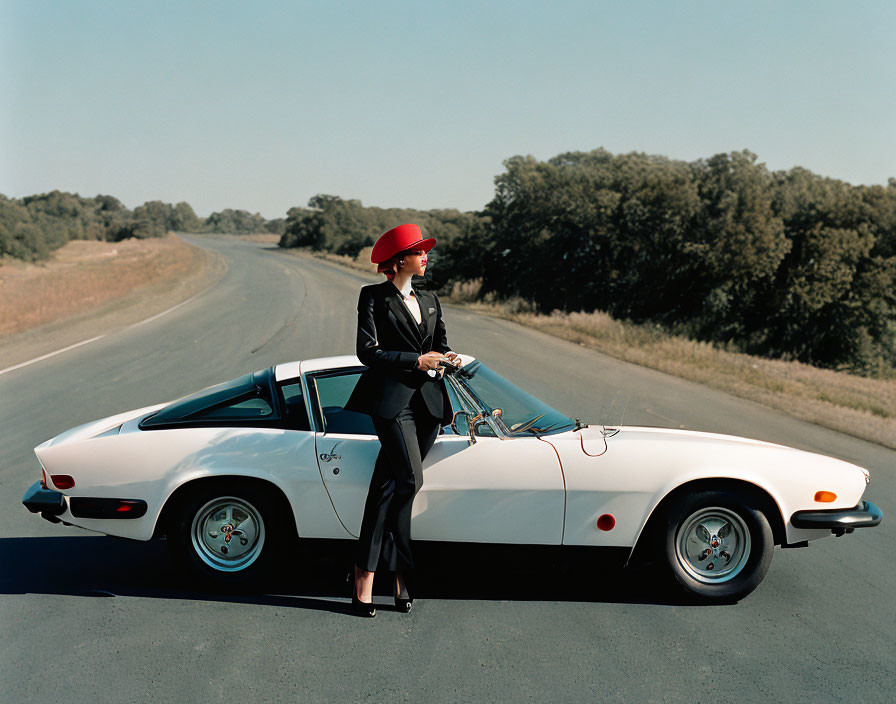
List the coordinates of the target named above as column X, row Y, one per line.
column 198, row 535
column 718, row 546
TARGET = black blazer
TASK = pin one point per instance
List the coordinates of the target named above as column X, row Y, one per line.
column 389, row 342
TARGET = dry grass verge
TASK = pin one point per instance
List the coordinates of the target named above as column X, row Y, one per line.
column 86, row 274
column 263, row 237
column 858, row 406
column 360, row 263
column 855, row 405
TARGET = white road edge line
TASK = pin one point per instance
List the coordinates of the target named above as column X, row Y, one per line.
column 51, row 354
column 164, row 312
column 94, row 339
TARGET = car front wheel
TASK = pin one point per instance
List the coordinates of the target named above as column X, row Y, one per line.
column 717, row 546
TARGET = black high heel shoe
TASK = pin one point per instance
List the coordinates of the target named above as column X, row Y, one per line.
column 402, row 605
column 360, row 608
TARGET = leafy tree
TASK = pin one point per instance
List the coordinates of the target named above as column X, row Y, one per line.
column 230, row 221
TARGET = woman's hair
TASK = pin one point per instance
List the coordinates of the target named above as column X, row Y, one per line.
column 390, row 266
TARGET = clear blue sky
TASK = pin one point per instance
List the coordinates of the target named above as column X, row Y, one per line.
column 260, row 105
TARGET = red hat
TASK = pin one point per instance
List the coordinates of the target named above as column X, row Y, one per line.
column 399, row 239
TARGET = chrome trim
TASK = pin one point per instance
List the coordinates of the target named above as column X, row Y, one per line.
column 468, row 398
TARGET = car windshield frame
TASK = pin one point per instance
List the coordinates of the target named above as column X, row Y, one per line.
column 462, row 378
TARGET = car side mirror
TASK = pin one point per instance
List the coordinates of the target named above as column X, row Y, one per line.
column 471, row 423
column 475, row 422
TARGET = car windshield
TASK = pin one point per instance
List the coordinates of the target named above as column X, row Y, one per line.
column 519, row 411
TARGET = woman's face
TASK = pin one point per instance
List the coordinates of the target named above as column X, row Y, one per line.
column 415, row 262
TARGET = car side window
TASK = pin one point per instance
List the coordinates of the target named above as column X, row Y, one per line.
column 296, row 416
column 245, row 409
column 243, row 401
column 333, row 391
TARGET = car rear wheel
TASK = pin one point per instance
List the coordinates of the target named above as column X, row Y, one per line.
column 226, row 533
column 717, row 546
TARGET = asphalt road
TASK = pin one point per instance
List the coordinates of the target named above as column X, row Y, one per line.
column 87, row 618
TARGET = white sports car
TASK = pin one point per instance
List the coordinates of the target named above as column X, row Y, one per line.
column 235, row 472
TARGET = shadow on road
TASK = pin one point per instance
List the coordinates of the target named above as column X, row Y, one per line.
column 315, row 577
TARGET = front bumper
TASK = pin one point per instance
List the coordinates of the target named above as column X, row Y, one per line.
column 46, row 502
column 840, row 521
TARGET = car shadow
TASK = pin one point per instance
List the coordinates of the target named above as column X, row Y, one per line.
column 315, row 576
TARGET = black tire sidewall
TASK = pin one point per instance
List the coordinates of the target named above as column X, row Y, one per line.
column 761, row 545
column 180, row 542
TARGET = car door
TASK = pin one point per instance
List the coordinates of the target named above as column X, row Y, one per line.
column 495, row 490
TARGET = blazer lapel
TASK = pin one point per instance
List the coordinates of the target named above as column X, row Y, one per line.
column 410, row 329
column 427, row 311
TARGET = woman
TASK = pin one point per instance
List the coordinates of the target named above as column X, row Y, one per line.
column 401, row 338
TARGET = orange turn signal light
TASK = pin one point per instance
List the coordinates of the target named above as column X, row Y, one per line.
column 825, row 496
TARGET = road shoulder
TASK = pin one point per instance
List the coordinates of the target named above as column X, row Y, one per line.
column 138, row 304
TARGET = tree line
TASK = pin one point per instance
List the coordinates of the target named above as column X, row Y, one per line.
column 31, row 228
column 332, row 224
column 784, row 264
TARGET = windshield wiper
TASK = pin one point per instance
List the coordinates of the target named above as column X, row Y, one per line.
column 521, row 427
column 536, row 431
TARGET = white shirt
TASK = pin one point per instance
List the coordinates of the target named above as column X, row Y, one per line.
column 413, row 305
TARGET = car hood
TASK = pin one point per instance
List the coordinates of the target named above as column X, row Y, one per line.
column 695, row 442
column 674, row 435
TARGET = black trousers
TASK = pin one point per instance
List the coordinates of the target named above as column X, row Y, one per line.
column 405, row 440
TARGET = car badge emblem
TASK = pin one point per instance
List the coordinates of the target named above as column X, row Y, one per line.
column 331, row 455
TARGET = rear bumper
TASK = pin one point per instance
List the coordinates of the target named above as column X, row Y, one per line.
column 839, row 521
column 51, row 504
column 46, row 502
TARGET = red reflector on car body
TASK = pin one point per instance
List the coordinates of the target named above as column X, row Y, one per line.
column 606, row 522
column 62, row 481
column 102, row 507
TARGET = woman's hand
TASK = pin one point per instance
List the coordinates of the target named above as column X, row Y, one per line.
column 431, row 360
column 428, row 361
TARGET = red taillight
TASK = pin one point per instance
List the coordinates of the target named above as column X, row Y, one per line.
column 43, row 478
column 62, row 481
column 125, row 508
